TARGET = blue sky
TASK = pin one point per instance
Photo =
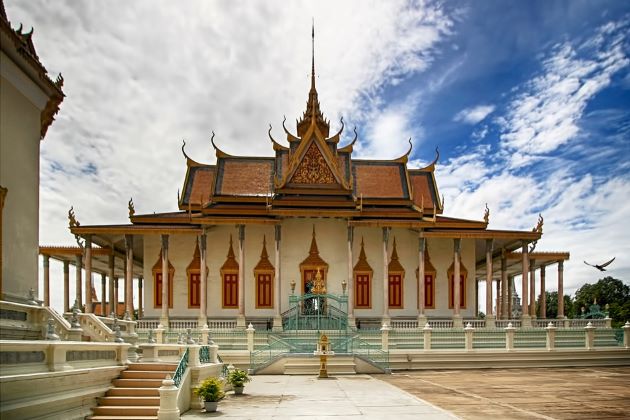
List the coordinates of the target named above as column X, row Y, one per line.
column 528, row 102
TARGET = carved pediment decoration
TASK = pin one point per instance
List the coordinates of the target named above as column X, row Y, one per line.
column 313, row 169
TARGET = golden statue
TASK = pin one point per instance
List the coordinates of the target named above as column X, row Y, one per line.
column 319, row 288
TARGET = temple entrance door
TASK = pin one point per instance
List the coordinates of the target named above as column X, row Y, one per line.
column 307, row 281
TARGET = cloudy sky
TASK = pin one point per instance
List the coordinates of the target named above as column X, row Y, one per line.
column 529, row 103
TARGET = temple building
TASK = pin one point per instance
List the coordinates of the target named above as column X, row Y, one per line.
column 29, row 100
column 253, row 230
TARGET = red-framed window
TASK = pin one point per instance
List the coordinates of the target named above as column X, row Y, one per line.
column 230, row 290
column 194, row 290
column 462, row 292
column 362, row 291
column 157, row 299
column 395, row 291
column 429, row 291
column 264, row 290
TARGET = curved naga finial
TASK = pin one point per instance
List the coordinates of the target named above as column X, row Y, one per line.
column 404, row 158
column 336, row 136
column 276, row 145
column 219, row 152
column 539, row 225
column 184, row 151
column 348, row 147
column 290, row 136
column 73, row 222
column 486, row 215
column 130, row 206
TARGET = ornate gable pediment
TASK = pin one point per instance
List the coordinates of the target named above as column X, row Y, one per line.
column 313, row 169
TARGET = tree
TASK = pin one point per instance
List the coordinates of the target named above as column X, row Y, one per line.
column 552, row 305
column 607, row 291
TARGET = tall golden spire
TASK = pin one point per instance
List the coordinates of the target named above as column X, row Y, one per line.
column 312, row 114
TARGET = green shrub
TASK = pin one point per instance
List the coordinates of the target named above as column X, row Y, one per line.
column 210, row 389
column 238, row 378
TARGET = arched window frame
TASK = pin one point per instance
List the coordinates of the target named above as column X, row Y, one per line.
column 361, row 270
column 463, row 275
column 229, row 280
column 395, row 272
column 264, row 268
column 157, row 291
column 192, row 270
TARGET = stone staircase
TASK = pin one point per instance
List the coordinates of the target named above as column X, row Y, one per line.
column 135, row 393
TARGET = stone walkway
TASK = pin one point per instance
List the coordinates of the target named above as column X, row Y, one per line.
column 358, row 397
column 550, row 393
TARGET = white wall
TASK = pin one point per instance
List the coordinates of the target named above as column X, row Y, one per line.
column 331, row 237
column 19, row 173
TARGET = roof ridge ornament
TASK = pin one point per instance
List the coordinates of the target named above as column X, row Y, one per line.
column 486, row 215
column 219, row 152
column 132, row 209
column 290, row 136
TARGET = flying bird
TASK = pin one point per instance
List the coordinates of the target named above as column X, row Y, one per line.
column 600, row 267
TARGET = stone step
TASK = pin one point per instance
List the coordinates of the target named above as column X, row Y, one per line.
column 125, row 410
column 170, row 367
column 137, row 383
column 145, row 374
column 310, row 366
column 121, row 418
column 129, row 400
column 133, row 392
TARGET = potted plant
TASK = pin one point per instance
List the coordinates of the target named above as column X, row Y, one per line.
column 211, row 391
column 238, row 378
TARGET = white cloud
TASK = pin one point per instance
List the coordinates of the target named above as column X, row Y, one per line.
column 140, row 78
column 546, row 112
column 474, row 114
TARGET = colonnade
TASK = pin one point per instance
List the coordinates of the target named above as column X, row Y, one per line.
column 504, row 287
column 84, row 285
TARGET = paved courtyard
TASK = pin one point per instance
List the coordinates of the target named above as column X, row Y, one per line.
column 549, row 393
column 355, row 397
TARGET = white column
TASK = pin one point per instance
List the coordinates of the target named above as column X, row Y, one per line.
column 532, row 288
column 504, row 287
column 66, row 286
column 560, row 289
column 457, row 249
column 140, row 298
column 88, row 274
column 115, row 300
column 110, row 304
column 385, row 277
column 203, row 274
column 103, row 295
column 165, row 278
column 240, row 320
column 129, row 276
column 46, row 280
column 422, row 244
column 489, row 313
column 78, row 284
column 350, row 281
column 277, row 319
column 543, row 294
column 525, row 318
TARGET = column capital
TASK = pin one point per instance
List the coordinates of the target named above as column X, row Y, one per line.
column 386, row 234
column 129, row 241
column 457, row 245
column 88, row 240
column 489, row 245
column 202, row 243
column 140, row 280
